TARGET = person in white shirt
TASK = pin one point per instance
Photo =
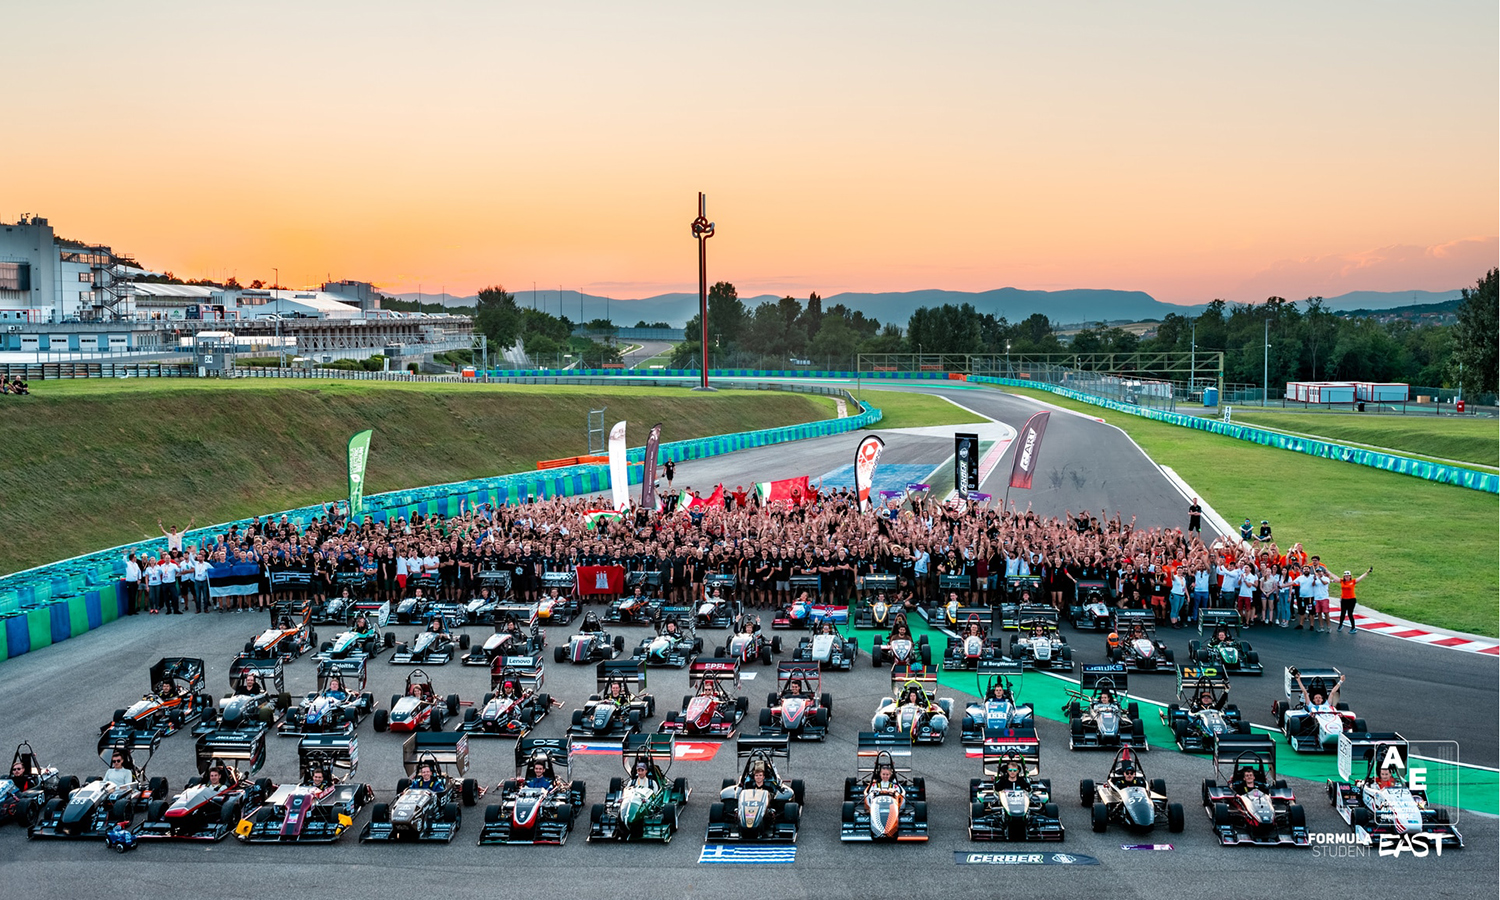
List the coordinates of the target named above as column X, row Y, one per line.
column 153, row 587
column 174, row 537
column 1229, row 587
column 200, row 582
column 1304, row 583
column 1320, row 579
column 118, row 773
column 132, row 582
column 401, row 572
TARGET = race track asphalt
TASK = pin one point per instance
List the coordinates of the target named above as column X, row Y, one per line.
column 57, row 698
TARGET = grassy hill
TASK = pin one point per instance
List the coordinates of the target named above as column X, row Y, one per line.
column 93, row 464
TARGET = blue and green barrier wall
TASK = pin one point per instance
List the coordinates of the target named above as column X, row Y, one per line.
column 1404, row 465
column 51, row 603
column 712, row 373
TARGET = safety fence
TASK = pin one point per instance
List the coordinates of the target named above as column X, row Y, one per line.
column 1404, row 465
column 50, row 603
column 712, row 373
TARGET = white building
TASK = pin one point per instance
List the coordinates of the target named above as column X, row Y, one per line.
column 44, row 279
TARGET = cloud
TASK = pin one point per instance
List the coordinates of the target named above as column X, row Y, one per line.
column 1399, row 267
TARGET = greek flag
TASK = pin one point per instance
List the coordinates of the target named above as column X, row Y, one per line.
column 750, row 854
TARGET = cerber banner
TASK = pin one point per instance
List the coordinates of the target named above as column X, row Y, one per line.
column 619, row 485
column 965, row 463
column 865, row 458
column 359, row 457
column 1027, row 448
column 648, row 478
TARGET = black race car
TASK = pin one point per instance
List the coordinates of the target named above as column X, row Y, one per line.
column 1100, row 713
column 1202, row 713
column 764, row 803
column 338, row 705
column 798, row 707
column 1012, row 802
column 644, row 805
column 29, row 787
column 638, row 607
column 1133, row 642
column 515, row 702
column 511, row 638
column 1225, row 649
column 591, row 644
column 619, row 707
column 289, row 636
column 718, row 608
column 1091, row 606
column 541, row 803
column 429, row 801
column 674, row 645
column 432, row 646
column 1037, row 643
column 124, row 792
column 1125, row 797
column 1245, row 800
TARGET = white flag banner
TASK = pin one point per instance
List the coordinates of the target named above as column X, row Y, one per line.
column 619, row 486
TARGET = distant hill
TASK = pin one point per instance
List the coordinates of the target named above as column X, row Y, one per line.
column 1076, row 307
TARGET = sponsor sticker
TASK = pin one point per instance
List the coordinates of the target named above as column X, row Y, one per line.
column 969, row 858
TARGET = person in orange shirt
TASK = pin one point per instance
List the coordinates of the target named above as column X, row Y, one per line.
column 1346, row 598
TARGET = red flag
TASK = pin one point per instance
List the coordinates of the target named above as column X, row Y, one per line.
column 600, row 580
column 1027, row 448
column 793, row 490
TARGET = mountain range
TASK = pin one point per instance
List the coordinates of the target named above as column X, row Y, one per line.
column 1067, row 307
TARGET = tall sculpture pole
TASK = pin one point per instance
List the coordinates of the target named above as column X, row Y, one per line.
column 703, row 230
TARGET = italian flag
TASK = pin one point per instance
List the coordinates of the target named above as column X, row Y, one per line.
column 794, row 490
column 687, row 501
column 595, row 519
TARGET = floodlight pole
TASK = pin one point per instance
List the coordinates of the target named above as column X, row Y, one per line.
column 702, row 231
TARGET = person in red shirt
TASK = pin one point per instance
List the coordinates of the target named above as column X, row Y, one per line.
column 1346, row 598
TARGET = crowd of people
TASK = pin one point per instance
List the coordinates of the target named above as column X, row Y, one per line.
column 933, row 551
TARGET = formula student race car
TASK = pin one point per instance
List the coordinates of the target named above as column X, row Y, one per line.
column 748, row 643
column 1202, row 713
column 804, row 613
column 1100, row 713
column 975, row 643
column 1089, row 610
column 882, row 802
column 318, row 809
column 1224, row 649
column 1133, row 642
column 619, row 706
column 900, row 648
column 879, row 612
column 356, row 641
column 24, row 793
column 257, row 700
column 1126, row 798
column 913, row 712
column 712, row 711
column 673, row 645
column 997, row 714
column 1246, row 802
column 433, row 646
column 827, row 647
column 430, row 799
column 797, row 708
column 764, row 803
column 644, row 805
column 286, row 639
column 511, row 638
column 515, row 702
column 1037, row 643
column 590, row 644
column 1313, row 720
column 418, row 707
column 1381, row 797
column 717, row 609
column 1012, row 802
column 100, row 804
column 177, row 697
column 209, row 808
column 540, row 804
column 338, row 705
column 559, row 606
column 638, row 607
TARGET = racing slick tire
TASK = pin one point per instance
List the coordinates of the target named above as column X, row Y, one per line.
column 1075, row 724
column 1050, row 810
column 1359, row 726
column 1296, row 816
column 1278, row 709
column 470, row 792
column 382, row 720
column 1159, row 786
column 596, row 814
column 799, row 790
column 679, row 787
column 1175, row 818
column 1221, row 815
column 820, row 718
column 1208, row 787
column 401, row 785
column 493, row 814
column 327, row 645
column 452, row 813
column 1100, row 818
column 471, row 715
column 229, row 816
column 1362, row 817
column 156, row 810
column 565, row 815
column 560, row 654
column 716, row 814
column 791, row 813
column 1086, row 792
column 435, row 720
column 577, row 717
column 619, row 643
column 158, row 786
column 847, row 813
column 1133, row 710
column 1179, row 731
column 976, row 811
column 776, row 644
column 463, row 640
column 122, row 811
column 742, row 704
column 765, row 654
column 453, row 704
column 919, row 812
column 765, row 718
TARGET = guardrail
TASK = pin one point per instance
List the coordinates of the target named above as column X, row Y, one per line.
column 714, row 374
column 1404, row 465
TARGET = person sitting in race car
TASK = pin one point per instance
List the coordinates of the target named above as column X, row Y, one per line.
column 760, row 777
column 1126, row 775
column 1249, row 781
column 541, row 775
column 1038, row 631
column 335, row 689
column 361, row 624
column 19, row 777
column 512, row 627
column 119, row 772
column 217, row 776
column 900, row 632
column 429, row 780
column 1315, row 700
column 1137, row 632
column 884, row 776
column 166, row 689
column 616, row 693
column 999, row 691
column 436, row 626
column 645, row 776
column 1105, row 697
column 1386, row 778
column 826, row 627
column 793, row 688
column 1011, row 777
column 285, row 624
column 1220, row 636
column 974, row 629
column 591, row 624
column 421, row 690
column 749, row 625
column 249, row 685
column 318, row 778
column 510, row 689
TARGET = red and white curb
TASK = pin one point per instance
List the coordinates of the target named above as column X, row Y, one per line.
column 1389, row 626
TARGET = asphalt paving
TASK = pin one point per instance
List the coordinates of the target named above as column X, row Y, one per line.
column 58, row 697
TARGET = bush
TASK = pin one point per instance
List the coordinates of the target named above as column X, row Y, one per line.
column 375, row 363
column 263, row 362
column 413, row 368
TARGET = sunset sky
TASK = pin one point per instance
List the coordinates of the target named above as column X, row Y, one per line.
column 1191, row 150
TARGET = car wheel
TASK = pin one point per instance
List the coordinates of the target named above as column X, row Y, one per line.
column 156, row 810
column 1221, row 815
column 382, row 720
column 1175, row 818
column 1296, row 816
column 1100, row 818
column 847, row 813
column 1086, row 792
column 470, row 792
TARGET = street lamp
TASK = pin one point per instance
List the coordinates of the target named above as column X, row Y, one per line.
column 1009, row 373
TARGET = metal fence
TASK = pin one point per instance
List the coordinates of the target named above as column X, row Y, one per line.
column 46, row 371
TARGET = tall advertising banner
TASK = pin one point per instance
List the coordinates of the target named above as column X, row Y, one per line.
column 1027, row 449
column 619, row 486
column 865, row 458
column 648, row 477
column 965, row 463
column 359, row 456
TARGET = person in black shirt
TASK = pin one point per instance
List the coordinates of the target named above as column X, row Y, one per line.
column 1195, row 517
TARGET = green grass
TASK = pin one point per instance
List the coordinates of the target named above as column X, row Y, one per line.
column 96, row 463
column 908, row 409
column 1433, row 437
column 1435, row 547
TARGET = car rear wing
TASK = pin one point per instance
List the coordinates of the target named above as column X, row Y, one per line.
column 720, row 580
column 337, row 751
column 495, row 579
column 1210, row 619
column 298, row 611
column 1374, row 748
column 631, row 672
column 1125, row 619
column 179, row 668
column 244, row 748
column 1249, row 749
column 563, row 581
column 558, row 749
column 1034, row 614
column 779, row 747
column 137, row 745
column 1086, row 586
column 1007, row 671
column 523, row 613
column 874, row 744
column 527, row 670
column 351, row 673
column 807, row 672
column 1014, row 584
column 984, row 615
column 717, row 668
column 448, row 748
column 1191, row 677
column 644, row 578
column 376, row 611
column 268, row 671
column 903, row 674
column 1111, row 675
column 1327, row 674
column 885, row 583
column 1026, row 749
column 658, row 747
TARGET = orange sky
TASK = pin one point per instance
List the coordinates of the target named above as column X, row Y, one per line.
column 1189, row 150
